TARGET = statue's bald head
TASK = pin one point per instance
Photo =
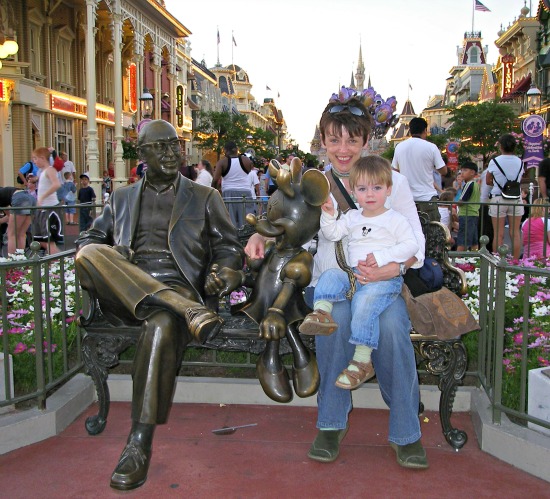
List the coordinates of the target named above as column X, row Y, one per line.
column 156, row 130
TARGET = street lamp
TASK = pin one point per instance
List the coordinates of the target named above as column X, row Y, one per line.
column 533, row 99
column 146, row 104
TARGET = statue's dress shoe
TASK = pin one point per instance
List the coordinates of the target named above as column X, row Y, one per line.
column 276, row 385
column 306, row 379
column 131, row 471
column 203, row 324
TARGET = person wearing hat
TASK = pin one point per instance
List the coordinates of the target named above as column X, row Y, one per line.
column 468, row 214
column 86, row 196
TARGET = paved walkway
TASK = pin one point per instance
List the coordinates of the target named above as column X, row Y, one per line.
column 266, row 461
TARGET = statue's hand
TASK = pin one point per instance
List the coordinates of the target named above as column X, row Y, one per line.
column 221, row 282
column 273, row 326
column 125, row 251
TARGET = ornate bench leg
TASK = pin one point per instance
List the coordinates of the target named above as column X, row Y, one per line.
column 100, row 352
column 96, row 424
column 447, row 359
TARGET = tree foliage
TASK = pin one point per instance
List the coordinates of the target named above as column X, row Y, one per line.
column 478, row 127
column 215, row 128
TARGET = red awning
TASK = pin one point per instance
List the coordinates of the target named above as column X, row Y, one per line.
column 520, row 87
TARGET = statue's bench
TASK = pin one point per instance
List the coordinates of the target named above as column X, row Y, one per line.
column 103, row 343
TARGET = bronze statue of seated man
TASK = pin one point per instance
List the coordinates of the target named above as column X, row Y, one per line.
column 148, row 259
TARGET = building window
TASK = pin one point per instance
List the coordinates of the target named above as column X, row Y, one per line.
column 34, row 49
column 109, row 80
column 109, row 146
column 63, row 136
column 63, row 52
column 474, row 55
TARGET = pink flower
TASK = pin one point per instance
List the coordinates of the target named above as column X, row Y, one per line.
column 16, row 330
column 19, row 348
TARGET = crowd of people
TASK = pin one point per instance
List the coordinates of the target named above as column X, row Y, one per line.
column 45, row 190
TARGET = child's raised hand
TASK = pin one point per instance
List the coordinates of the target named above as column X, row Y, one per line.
column 328, row 206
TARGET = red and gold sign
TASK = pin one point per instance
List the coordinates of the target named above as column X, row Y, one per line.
column 132, row 87
column 507, row 73
column 3, row 91
column 78, row 109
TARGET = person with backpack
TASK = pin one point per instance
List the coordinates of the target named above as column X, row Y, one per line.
column 29, row 168
column 504, row 174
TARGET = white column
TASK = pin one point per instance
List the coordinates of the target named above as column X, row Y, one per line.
column 92, row 152
column 117, row 35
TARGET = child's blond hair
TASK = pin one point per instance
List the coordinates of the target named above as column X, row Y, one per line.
column 372, row 170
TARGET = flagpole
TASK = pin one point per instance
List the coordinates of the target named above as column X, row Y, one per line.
column 473, row 10
column 218, row 45
column 232, row 38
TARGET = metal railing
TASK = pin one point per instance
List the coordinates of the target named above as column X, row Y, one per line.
column 508, row 329
column 486, row 226
column 40, row 342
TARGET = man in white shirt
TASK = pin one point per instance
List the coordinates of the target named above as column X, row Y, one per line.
column 416, row 159
column 68, row 165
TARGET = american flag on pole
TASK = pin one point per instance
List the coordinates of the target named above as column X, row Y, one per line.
column 234, row 42
column 218, row 37
column 479, row 6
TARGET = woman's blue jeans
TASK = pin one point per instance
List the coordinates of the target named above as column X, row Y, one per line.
column 368, row 302
column 395, row 366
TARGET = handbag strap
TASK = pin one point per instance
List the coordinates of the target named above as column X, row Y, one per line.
column 345, row 203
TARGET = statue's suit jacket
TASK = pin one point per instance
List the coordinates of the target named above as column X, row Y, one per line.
column 200, row 231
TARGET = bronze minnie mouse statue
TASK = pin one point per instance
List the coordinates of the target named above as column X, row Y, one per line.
column 277, row 302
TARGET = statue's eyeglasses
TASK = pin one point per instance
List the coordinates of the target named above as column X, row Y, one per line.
column 161, row 147
column 352, row 109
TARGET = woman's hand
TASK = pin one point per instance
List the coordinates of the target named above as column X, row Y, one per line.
column 373, row 273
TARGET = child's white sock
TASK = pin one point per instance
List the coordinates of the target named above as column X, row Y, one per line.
column 362, row 354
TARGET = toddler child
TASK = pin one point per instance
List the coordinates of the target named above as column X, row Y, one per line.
column 375, row 234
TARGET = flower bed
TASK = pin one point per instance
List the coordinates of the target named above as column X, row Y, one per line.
column 538, row 336
column 58, row 313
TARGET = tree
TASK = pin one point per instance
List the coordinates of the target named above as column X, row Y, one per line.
column 478, row 127
column 262, row 142
column 215, row 128
column 440, row 140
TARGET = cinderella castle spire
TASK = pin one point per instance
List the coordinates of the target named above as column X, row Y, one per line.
column 360, row 75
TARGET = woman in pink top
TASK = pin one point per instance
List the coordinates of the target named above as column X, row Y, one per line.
column 536, row 231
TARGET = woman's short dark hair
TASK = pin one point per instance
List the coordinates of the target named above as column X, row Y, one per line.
column 507, row 142
column 357, row 126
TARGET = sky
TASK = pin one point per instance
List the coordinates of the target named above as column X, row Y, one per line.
column 304, row 50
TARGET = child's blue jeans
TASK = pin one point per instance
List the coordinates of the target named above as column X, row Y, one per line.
column 368, row 302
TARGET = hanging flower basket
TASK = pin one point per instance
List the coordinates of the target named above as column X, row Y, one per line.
column 129, row 149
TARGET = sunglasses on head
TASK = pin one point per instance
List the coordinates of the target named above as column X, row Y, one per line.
column 352, row 109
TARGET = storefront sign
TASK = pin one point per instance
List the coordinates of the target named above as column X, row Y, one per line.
column 4, row 94
column 507, row 73
column 179, row 105
column 533, row 127
column 79, row 109
column 132, row 87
